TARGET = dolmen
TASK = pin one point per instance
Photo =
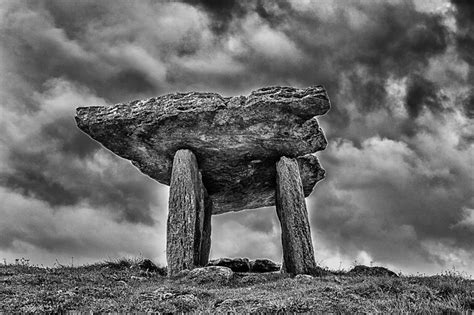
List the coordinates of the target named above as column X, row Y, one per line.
column 221, row 154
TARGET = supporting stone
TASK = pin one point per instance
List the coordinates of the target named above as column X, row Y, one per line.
column 189, row 215
column 206, row 230
column 298, row 254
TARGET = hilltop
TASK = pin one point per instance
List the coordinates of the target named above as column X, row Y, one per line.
column 132, row 286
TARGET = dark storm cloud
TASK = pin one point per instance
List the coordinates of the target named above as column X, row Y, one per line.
column 221, row 12
column 130, row 198
column 465, row 24
column 395, row 40
column 78, row 41
column 30, row 182
column 421, row 93
column 388, row 38
column 76, row 143
column 468, row 105
column 50, row 160
column 397, row 73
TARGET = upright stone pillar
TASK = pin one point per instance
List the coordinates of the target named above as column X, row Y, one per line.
column 206, row 231
column 189, row 215
column 298, row 254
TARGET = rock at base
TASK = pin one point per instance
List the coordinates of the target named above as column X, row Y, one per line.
column 210, row 274
column 246, row 265
column 187, row 215
column 235, row 264
column 298, row 254
column 263, row 265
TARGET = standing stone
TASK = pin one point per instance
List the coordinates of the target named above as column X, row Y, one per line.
column 188, row 227
column 206, row 230
column 298, row 254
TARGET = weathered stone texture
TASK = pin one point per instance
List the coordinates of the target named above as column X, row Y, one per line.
column 206, row 230
column 209, row 274
column 186, row 236
column 263, row 265
column 237, row 140
column 298, row 255
column 236, row 264
column 246, row 265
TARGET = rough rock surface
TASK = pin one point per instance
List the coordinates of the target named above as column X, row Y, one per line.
column 263, row 265
column 246, row 265
column 236, row 264
column 298, row 254
column 237, row 140
column 210, row 274
column 186, row 246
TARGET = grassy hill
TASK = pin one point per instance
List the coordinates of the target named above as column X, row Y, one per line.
column 131, row 286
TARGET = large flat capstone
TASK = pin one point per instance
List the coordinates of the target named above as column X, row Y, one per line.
column 237, row 140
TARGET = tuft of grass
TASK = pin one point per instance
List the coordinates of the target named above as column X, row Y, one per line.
column 121, row 263
column 145, row 265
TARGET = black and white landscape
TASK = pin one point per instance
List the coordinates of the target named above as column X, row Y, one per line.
column 399, row 186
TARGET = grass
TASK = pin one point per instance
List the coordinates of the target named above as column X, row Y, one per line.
column 128, row 285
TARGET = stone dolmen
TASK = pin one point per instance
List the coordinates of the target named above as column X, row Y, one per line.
column 221, row 154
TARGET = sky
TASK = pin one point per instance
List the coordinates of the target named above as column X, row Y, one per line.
column 399, row 189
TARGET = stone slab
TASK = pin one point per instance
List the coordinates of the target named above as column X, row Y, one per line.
column 237, row 140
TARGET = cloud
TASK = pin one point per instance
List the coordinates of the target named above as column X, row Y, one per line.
column 252, row 233
column 49, row 159
column 395, row 198
column 420, row 93
column 464, row 38
column 114, row 50
column 221, row 13
column 81, row 232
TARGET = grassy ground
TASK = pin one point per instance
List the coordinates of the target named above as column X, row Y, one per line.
column 124, row 286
